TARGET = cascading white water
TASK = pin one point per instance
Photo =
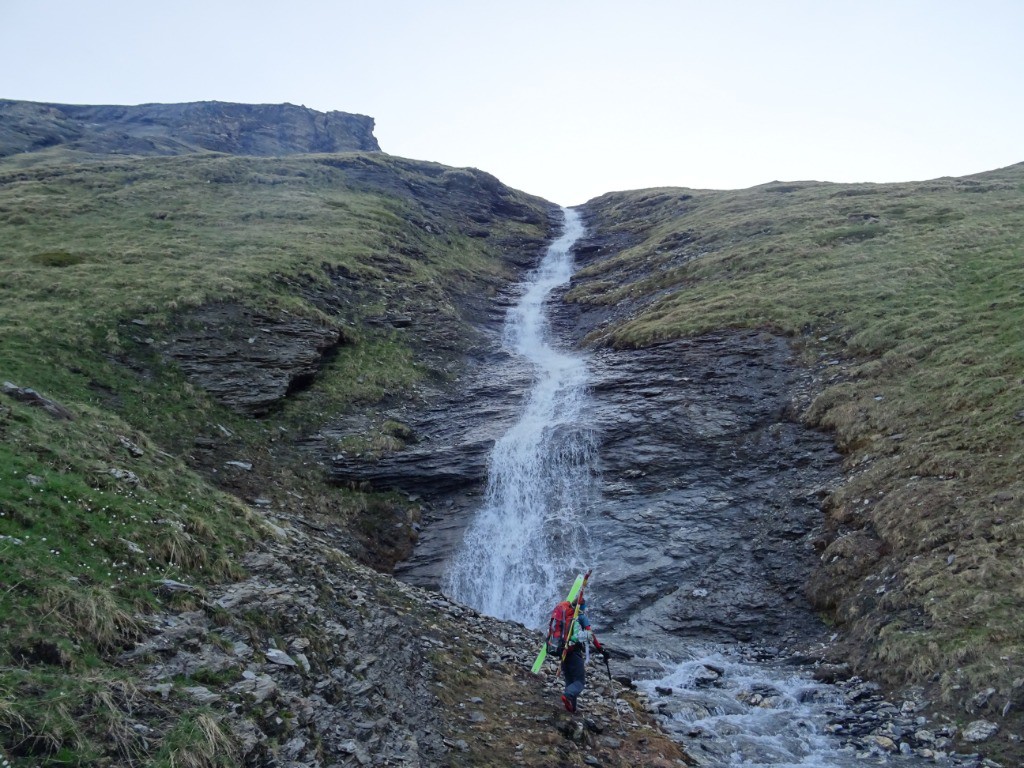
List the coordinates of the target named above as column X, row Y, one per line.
column 529, row 534
column 757, row 716
column 782, row 727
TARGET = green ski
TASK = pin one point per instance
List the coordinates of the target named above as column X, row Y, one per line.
column 575, row 617
column 573, row 592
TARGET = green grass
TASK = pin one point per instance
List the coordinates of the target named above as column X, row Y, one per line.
column 53, row 718
column 76, row 505
column 197, row 742
column 909, row 299
column 81, row 555
column 144, row 238
column 360, row 374
column 97, row 258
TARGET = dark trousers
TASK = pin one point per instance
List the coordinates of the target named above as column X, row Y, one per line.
column 574, row 671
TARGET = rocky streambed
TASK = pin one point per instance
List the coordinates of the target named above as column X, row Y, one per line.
column 759, row 706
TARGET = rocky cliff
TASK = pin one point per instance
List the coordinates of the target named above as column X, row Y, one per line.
column 175, row 129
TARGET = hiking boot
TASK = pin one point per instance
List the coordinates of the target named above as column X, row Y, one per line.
column 569, row 702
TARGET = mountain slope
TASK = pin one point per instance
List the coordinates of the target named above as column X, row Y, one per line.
column 906, row 300
column 190, row 337
column 178, row 578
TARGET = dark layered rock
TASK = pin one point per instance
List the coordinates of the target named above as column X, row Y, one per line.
column 451, row 429
column 30, row 396
column 249, row 361
column 711, row 494
column 177, row 129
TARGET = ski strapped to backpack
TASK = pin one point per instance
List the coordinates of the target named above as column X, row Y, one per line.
column 574, row 592
column 575, row 615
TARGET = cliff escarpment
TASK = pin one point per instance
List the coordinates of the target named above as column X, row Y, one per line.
column 68, row 130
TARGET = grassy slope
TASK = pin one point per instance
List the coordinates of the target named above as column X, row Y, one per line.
column 917, row 287
column 93, row 257
column 909, row 300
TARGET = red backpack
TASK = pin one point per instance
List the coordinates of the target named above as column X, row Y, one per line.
column 558, row 627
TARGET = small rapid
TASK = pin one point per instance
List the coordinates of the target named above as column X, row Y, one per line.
column 529, row 533
column 736, row 711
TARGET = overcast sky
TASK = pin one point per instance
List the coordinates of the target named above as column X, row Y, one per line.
column 571, row 99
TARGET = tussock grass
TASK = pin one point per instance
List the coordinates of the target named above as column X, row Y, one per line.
column 197, row 742
column 81, row 554
column 92, row 614
column 61, row 720
column 908, row 302
column 47, row 728
column 71, row 526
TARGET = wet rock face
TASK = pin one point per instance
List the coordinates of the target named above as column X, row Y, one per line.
column 710, row 491
column 444, row 464
column 453, row 431
column 710, row 494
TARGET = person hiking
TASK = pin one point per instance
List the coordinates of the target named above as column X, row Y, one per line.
column 574, row 665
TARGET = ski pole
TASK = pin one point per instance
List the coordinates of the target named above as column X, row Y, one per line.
column 611, row 687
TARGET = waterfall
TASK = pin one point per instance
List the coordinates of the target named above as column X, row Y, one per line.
column 729, row 704
column 528, row 537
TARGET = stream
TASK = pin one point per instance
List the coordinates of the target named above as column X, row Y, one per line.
column 731, row 710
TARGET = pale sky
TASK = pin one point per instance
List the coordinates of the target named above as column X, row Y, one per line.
column 571, row 99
